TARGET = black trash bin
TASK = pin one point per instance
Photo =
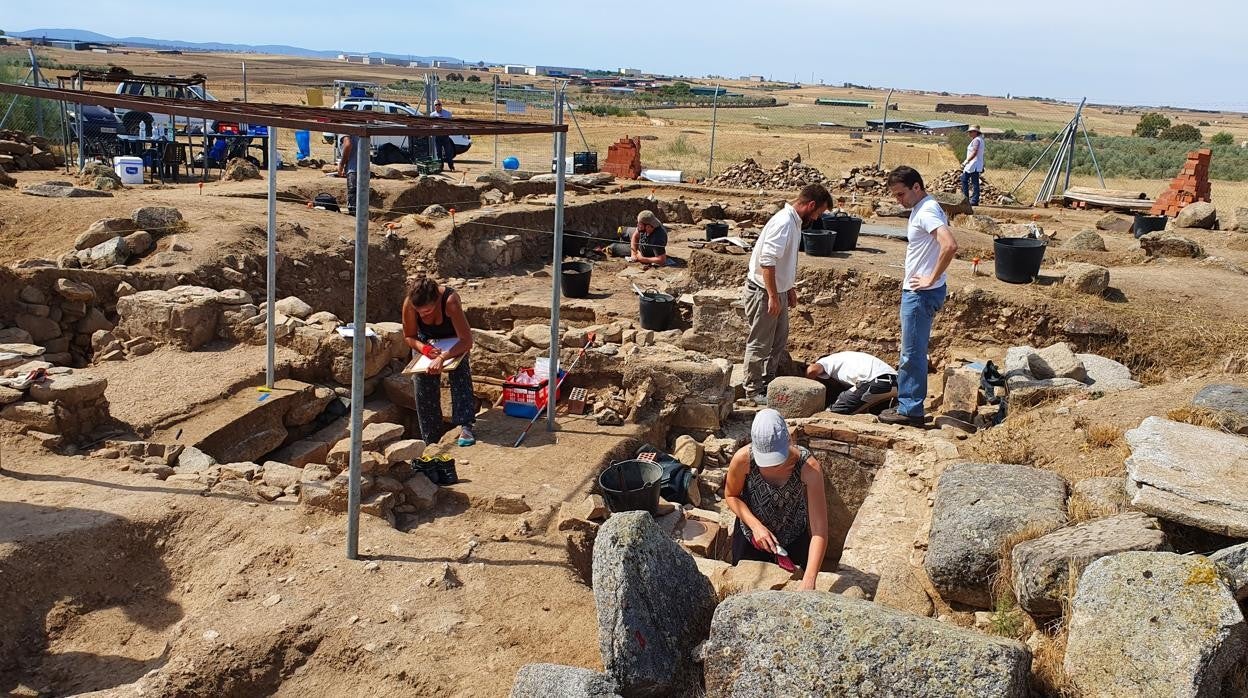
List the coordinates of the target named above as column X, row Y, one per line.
column 575, row 279
column 1147, row 224
column 631, row 485
column 576, row 243
column 1017, row 260
column 716, row 230
column 657, row 310
column 819, row 243
column 846, row 227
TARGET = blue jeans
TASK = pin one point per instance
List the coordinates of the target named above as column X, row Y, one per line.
column 970, row 187
column 918, row 309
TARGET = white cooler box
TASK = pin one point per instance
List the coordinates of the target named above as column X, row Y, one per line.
column 129, row 168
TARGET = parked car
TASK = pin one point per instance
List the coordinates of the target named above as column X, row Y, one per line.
column 462, row 143
column 99, row 129
column 131, row 118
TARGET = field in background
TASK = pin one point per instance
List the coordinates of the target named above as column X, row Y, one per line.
column 680, row 138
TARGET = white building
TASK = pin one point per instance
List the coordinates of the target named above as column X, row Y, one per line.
column 349, row 58
column 517, row 69
column 630, row 72
column 451, row 65
column 752, row 78
column 554, row 70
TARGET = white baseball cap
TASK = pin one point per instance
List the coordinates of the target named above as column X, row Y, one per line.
column 769, row 439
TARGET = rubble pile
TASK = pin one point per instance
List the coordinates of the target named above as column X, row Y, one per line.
column 789, row 174
column 21, row 151
column 866, row 179
column 951, row 181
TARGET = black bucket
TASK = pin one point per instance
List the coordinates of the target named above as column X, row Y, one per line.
column 576, row 243
column 1018, row 259
column 1148, row 224
column 716, row 230
column 657, row 310
column 575, row 279
column 847, row 229
column 631, row 485
column 819, row 243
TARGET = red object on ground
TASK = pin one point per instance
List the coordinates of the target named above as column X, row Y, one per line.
column 1189, row 186
column 624, row 158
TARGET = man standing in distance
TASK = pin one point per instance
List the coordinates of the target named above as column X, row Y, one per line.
column 446, row 148
column 973, row 165
column 769, row 287
column 346, row 168
column 930, row 248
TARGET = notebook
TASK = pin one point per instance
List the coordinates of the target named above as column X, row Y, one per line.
column 421, row 363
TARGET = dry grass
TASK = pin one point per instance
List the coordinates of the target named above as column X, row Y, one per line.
column 1010, row 442
column 1202, row 417
column 1103, row 435
column 1079, row 510
column 1003, row 578
column 1048, row 674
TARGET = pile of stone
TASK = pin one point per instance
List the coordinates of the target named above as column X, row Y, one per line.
column 60, row 406
column 789, row 174
column 867, row 180
column 21, row 151
column 1033, row 375
column 54, row 321
column 950, row 181
column 111, row 242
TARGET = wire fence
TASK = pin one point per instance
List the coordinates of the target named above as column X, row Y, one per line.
column 700, row 135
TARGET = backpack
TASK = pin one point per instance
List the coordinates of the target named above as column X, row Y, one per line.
column 325, row 202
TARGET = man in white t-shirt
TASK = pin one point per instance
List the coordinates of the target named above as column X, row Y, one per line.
column 863, row 382
column 930, row 247
column 770, row 287
column 444, row 144
column 973, row 165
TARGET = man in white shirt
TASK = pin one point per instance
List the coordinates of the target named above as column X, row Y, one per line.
column 862, row 381
column 769, row 287
column 973, row 165
column 930, row 247
column 446, row 148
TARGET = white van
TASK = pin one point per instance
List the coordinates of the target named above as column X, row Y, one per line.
column 131, row 118
column 462, row 143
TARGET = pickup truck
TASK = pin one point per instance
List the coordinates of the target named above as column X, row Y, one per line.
column 462, row 143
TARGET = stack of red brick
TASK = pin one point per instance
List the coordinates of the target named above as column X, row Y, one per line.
column 624, row 158
column 1190, row 186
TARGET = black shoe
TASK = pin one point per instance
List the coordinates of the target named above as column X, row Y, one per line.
column 892, row 416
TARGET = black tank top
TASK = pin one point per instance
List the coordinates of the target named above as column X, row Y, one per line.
column 442, row 330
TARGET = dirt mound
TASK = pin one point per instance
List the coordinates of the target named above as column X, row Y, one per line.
column 789, row 174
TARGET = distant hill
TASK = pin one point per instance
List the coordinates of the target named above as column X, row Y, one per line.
column 147, row 42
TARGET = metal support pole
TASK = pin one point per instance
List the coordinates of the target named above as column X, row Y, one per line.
column 496, row 119
column 270, row 373
column 1092, row 153
column 879, row 161
column 561, row 141
column 38, row 82
column 244, row 81
column 710, row 161
column 1070, row 155
column 358, row 343
column 1033, row 165
column 431, row 96
column 82, row 154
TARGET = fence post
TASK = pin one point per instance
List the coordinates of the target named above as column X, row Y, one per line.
column 244, row 81
column 710, row 162
column 879, row 163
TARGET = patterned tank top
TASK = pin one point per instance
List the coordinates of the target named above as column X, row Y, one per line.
column 781, row 508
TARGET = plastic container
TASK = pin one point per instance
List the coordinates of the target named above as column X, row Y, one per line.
column 1018, row 259
column 716, row 230
column 1147, row 224
column 576, row 243
column 511, row 163
column 574, row 278
column 631, row 485
column 129, row 168
column 819, row 243
column 657, row 310
column 525, row 398
column 846, row 227
column 303, row 145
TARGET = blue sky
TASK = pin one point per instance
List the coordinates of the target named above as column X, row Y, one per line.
column 1144, row 52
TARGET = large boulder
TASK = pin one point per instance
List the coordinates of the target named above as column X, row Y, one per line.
column 978, row 506
column 1190, row 475
column 953, row 204
column 1232, row 564
column 1200, row 214
column 1106, row 375
column 1086, row 240
column 106, row 254
column 1087, row 278
column 654, row 606
column 184, row 316
column 795, row 397
column 1057, row 361
column 1164, row 244
column 558, row 681
column 69, row 388
column 1044, row 566
column 1152, row 624
column 1229, row 402
column 1099, row 497
column 102, row 230
column 1239, row 223
column 294, row 307
column 775, row 643
column 157, row 220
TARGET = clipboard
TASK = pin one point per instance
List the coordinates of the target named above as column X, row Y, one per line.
column 420, row 364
